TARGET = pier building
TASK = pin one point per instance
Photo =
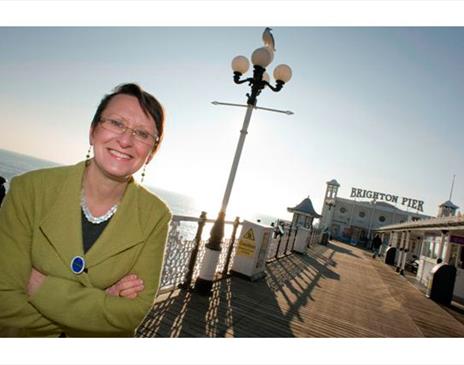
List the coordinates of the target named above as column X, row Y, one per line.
column 354, row 220
column 420, row 241
column 430, row 241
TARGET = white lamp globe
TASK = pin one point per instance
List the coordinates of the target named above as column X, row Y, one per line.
column 262, row 57
column 266, row 77
column 283, row 73
column 240, row 64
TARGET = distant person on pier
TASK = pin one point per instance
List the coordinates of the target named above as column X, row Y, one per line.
column 2, row 189
column 82, row 246
column 376, row 244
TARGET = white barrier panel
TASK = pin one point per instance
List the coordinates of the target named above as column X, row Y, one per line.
column 251, row 252
column 302, row 240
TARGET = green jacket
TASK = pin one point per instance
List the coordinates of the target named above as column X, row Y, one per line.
column 40, row 226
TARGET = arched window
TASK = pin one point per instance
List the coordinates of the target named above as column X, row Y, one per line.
column 362, row 214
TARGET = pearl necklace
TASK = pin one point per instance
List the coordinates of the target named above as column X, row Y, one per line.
column 90, row 217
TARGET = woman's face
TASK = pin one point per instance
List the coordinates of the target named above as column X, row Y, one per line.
column 118, row 155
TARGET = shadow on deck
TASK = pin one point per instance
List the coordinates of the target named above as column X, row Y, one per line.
column 333, row 291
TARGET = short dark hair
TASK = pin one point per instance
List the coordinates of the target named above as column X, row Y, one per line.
column 148, row 103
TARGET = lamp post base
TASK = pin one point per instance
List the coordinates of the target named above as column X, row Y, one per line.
column 204, row 282
column 203, row 287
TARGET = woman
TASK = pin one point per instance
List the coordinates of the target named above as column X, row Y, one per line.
column 82, row 246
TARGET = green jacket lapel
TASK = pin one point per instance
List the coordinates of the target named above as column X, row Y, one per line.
column 123, row 231
column 62, row 224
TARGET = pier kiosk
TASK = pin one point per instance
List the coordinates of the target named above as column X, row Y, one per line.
column 251, row 252
column 302, row 240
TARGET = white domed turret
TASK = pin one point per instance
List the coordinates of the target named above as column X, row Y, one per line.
column 447, row 209
column 332, row 189
column 329, row 202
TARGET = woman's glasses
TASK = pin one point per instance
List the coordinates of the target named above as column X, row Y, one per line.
column 119, row 127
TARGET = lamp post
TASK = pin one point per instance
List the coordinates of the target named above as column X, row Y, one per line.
column 330, row 204
column 374, row 204
column 261, row 58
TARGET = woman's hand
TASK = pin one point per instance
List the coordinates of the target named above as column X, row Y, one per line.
column 129, row 287
column 35, row 282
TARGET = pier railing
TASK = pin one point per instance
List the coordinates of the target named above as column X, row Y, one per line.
column 315, row 237
column 185, row 248
column 282, row 245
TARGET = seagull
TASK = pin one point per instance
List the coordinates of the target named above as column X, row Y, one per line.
column 268, row 39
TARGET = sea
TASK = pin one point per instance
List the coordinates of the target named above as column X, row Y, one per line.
column 13, row 163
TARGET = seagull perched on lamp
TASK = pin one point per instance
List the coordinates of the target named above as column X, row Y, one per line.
column 268, row 39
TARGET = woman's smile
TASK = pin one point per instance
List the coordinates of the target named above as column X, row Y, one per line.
column 119, row 155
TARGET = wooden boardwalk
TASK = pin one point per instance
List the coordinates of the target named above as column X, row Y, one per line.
column 333, row 291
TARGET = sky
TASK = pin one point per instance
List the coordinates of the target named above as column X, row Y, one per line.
column 378, row 108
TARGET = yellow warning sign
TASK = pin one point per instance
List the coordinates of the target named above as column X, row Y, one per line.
column 247, row 244
column 249, row 235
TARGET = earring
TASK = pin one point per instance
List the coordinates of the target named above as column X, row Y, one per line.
column 143, row 173
column 87, row 157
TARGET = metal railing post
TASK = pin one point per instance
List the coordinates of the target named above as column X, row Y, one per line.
column 231, row 246
column 288, row 239
column 278, row 246
column 294, row 239
column 193, row 257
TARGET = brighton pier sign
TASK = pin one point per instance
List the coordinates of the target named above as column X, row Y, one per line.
column 363, row 193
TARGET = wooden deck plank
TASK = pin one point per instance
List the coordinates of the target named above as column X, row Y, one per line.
column 334, row 291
